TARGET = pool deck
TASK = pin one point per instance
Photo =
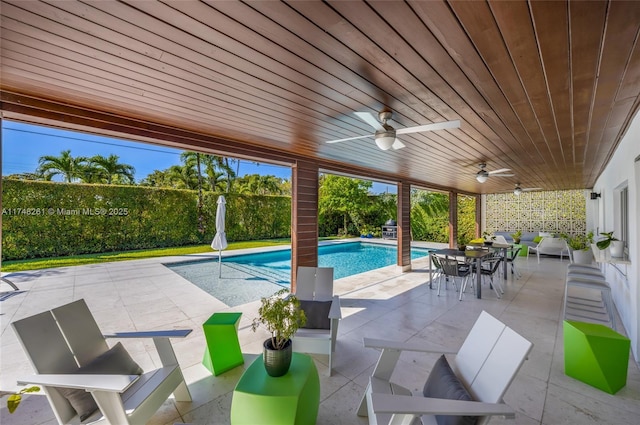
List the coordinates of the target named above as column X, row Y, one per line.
column 385, row 303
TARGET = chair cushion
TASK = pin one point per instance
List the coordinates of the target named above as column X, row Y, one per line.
column 443, row 383
column 115, row 361
column 537, row 239
column 317, row 313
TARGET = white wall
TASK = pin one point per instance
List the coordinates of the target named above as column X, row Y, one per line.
column 623, row 170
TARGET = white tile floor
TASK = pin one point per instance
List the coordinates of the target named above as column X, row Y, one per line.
column 384, row 303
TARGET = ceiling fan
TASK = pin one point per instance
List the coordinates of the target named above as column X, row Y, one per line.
column 518, row 190
column 385, row 135
column 483, row 174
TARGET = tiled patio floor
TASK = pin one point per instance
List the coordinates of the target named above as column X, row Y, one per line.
column 385, row 303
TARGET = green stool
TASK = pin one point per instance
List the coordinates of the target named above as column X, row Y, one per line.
column 289, row 399
column 223, row 349
column 524, row 250
column 596, row 355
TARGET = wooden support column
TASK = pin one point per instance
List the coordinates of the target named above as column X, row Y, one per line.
column 453, row 219
column 404, row 226
column 478, row 216
column 304, row 217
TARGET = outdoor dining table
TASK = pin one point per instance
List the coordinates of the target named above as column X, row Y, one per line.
column 470, row 254
column 504, row 248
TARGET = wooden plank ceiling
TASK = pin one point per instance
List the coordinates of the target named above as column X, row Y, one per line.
column 545, row 88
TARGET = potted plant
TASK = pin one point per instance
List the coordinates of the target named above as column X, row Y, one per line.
column 580, row 246
column 610, row 241
column 282, row 316
column 462, row 244
column 516, row 236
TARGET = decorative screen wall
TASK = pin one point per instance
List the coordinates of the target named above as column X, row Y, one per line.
column 562, row 211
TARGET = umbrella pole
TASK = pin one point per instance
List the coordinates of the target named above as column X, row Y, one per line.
column 220, row 263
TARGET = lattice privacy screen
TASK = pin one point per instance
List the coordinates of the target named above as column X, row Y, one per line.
column 550, row 211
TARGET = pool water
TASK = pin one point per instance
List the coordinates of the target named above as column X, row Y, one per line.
column 249, row 277
column 346, row 258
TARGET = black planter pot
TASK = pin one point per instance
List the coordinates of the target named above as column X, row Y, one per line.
column 277, row 362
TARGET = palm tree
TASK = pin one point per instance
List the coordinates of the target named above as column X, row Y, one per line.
column 183, row 177
column 109, row 169
column 158, row 178
column 188, row 158
column 217, row 180
column 219, row 174
column 69, row 167
column 260, row 185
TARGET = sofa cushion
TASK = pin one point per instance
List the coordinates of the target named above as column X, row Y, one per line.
column 115, row 361
column 443, row 383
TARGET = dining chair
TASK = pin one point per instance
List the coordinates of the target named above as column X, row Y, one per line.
column 490, row 266
column 453, row 269
column 512, row 255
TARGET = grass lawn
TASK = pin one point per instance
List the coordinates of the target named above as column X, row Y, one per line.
column 79, row 260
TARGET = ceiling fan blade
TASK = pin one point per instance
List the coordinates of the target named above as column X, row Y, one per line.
column 369, row 119
column 530, row 189
column 430, row 127
column 502, row 175
column 502, row 170
column 397, row 144
column 349, row 138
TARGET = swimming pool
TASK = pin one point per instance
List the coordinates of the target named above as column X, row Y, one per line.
column 346, row 258
column 249, row 277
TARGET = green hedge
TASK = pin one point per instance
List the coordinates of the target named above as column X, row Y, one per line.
column 45, row 219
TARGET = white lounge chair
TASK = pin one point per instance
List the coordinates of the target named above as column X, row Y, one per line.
column 551, row 246
column 483, row 367
column 314, row 289
column 69, row 353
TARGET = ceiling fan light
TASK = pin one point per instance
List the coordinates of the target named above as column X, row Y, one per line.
column 482, row 176
column 385, row 142
column 386, row 137
column 517, row 190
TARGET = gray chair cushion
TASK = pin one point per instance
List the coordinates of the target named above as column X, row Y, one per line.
column 317, row 313
column 115, row 361
column 443, row 383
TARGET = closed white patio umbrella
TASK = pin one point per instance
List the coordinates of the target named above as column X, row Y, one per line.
column 220, row 239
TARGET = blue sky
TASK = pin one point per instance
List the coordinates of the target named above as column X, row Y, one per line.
column 24, row 144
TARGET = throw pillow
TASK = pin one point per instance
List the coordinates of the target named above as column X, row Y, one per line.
column 443, row 383
column 537, row 239
column 115, row 361
column 317, row 313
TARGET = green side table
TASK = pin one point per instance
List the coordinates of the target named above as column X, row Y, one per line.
column 223, row 348
column 289, row 399
column 524, row 250
column 596, row 355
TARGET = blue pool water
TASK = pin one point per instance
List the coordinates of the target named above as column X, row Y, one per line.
column 249, row 277
column 346, row 258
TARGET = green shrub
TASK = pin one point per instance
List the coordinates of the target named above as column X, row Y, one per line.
column 45, row 219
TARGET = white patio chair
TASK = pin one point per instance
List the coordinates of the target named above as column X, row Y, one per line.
column 482, row 370
column 499, row 239
column 551, row 246
column 79, row 372
column 314, row 289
